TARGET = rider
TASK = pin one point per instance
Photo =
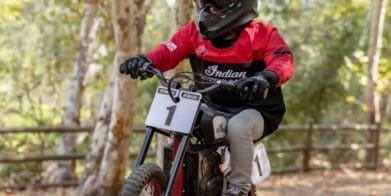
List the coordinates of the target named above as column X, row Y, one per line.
column 224, row 42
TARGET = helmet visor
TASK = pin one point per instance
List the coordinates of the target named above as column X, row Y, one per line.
column 215, row 6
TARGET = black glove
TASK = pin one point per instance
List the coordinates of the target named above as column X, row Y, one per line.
column 136, row 67
column 257, row 86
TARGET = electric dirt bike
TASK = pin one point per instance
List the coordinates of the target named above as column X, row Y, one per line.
column 197, row 159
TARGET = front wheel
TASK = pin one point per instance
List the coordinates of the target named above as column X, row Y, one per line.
column 147, row 179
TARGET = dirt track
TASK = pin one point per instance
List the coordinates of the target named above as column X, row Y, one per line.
column 329, row 183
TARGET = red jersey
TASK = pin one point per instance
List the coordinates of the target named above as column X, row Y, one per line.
column 259, row 47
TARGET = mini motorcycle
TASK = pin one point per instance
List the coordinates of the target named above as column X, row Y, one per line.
column 197, row 159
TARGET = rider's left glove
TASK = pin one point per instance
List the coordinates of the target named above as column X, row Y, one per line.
column 136, row 67
column 257, row 86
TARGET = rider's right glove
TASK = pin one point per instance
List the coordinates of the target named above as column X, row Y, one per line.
column 257, row 86
column 136, row 67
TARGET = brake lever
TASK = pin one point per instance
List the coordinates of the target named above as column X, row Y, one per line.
column 266, row 93
column 145, row 70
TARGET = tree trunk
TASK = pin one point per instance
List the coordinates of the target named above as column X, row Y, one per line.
column 378, row 10
column 107, row 160
column 387, row 110
column 183, row 15
column 183, row 12
column 71, row 112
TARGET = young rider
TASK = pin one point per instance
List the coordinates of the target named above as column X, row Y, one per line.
column 224, row 42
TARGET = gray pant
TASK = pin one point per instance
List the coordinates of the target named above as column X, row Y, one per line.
column 243, row 128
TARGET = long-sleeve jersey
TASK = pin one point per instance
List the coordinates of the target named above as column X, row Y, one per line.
column 259, row 47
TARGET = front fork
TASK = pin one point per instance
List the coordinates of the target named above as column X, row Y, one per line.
column 144, row 148
column 179, row 150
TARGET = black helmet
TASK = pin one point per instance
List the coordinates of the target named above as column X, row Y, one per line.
column 216, row 17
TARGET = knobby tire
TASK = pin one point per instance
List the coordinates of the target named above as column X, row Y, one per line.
column 145, row 176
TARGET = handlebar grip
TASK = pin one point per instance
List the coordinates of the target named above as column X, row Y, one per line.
column 122, row 68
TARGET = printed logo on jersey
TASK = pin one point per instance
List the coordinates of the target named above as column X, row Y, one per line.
column 171, row 46
column 213, row 71
column 201, row 50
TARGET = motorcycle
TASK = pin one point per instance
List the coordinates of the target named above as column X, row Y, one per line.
column 197, row 159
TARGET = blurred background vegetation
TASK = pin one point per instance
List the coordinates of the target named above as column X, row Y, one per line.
column 39, row 39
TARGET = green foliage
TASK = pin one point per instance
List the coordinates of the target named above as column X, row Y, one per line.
column 160, row 25
column 320, row 45
column 32, row 60
column 38, row 43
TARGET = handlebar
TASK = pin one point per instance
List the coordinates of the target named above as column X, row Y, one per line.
column 148, row 70
column 170, row 83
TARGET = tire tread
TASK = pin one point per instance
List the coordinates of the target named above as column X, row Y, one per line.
column 140, row 176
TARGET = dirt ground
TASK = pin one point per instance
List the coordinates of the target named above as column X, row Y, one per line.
column 327, row 183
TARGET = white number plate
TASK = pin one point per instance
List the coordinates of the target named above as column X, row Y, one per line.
column 261, row 165
column 178, row 117
column 261, row 168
